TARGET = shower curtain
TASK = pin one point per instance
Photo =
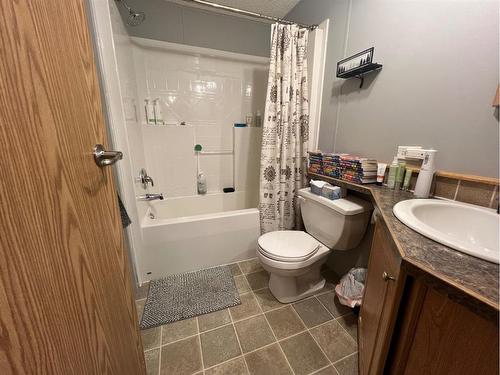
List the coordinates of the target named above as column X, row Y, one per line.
column 285, row 130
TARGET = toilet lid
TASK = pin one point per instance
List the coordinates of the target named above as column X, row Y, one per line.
column 288, row 245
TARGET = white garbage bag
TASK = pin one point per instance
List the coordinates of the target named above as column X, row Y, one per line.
column 351, row 286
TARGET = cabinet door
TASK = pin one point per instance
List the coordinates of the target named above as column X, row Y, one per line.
column 381, row 297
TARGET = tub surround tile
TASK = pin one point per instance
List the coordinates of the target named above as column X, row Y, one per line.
column 333, row 305
column 266, row 300
column 350, row 324
column 334, row 341
column 181, row 358
column 284, row 322
column 242, row 284
column 151, row 338
column 312, row 312
column 250, row 266
column 472, row 281
column 303, row 354
column 219, row 345
column 178, row 330
column 248, row 307
column 234, row 367
column 348, row 365
column 152, row 358
column 213, row 320
column 258, row 280
column 254, row 333
column 267, row 361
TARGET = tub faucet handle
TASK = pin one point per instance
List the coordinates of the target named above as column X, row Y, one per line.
column 150, row 197
column 144, row 179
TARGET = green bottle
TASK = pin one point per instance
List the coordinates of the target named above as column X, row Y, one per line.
column 393, row 169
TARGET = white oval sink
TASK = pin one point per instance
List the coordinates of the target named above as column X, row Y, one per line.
column 470, row 229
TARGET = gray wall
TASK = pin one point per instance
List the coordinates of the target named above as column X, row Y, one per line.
column 186, row 25
column 440, row 73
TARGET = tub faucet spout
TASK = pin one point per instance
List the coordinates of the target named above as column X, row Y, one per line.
column 150, row 197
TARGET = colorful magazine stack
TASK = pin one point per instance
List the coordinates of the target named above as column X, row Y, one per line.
column 315, row 162
column 331, row 164
column 358, row 170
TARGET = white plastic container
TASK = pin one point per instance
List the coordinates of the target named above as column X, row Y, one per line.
column 157, row 112
column 149, row 112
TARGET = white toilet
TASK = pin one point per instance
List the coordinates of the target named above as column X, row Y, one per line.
column 294, row 258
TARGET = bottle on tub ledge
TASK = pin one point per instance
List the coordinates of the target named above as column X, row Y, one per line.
column 149, row 112
column 157, row 112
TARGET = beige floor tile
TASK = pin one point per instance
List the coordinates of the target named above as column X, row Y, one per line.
column 181, row 358
column 151, row 338
column 258, row 280
column 139, row 306
column 178, row 330
column 219, row 345
column 268, row 361
column 242, row 284
column 214, row 320
column 303, row 354
column 284, row 322
column 334, row 341
column 348, row 366
column 350, row 324
column 250, row 266
column 266, row 300
column 235, row 269
column 248, row 307
column 234, row 367
column 141, row 292
column 332, row 303
column 254, row 333
column 330, row 370
column 152, row 358
column 312, row 312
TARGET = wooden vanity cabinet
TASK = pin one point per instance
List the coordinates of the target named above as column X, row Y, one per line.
column 409, row 326
column 383, row 289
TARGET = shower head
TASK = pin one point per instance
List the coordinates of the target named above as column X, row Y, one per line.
column 134, row 18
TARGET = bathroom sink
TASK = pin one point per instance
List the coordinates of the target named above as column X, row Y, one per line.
column 470, row 229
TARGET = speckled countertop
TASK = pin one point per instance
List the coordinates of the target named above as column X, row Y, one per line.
column 474, row 279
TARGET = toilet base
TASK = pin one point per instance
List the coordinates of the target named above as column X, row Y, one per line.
column 290, row 287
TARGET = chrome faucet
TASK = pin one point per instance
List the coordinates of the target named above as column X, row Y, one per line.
column 144, row 179
column 150, row 197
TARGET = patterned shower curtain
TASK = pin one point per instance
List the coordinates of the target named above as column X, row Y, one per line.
column 285, row 130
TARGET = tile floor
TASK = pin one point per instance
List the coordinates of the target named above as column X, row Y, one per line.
column 261, row 336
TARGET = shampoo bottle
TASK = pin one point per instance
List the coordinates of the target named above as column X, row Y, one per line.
column 150, row 112
column 400, row 175
column 393, row 170
column 258, row 119
column 157, row 111
column 202, row 183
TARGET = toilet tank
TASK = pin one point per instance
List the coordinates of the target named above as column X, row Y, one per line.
column 338, row 224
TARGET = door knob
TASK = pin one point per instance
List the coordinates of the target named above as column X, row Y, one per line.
column 104, row 158
column 387, row 277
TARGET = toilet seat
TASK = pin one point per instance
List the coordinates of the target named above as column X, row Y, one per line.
column 288, row 246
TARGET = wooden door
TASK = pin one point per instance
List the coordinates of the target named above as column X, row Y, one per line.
column 66, row 304
column 380, row 300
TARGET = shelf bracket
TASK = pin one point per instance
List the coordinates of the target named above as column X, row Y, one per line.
column 362, row 80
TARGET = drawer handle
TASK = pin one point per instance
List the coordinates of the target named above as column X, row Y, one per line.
column 387, row 277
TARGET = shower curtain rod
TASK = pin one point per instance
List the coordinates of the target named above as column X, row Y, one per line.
column 251, row 14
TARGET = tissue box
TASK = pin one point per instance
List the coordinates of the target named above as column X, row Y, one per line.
column 317, row 186
column 332, row 192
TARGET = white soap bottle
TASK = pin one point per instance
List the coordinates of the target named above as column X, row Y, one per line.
column 157, row 112
column 150, row 112
column 202, row 183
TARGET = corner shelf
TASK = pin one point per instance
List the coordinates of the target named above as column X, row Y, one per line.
column 360, row 72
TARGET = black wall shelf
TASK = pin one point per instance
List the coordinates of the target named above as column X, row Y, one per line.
column 360, row 72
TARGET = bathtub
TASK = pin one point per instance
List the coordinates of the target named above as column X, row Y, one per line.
column 189, row 233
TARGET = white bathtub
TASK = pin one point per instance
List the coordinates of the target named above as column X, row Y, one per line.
column 189, row 233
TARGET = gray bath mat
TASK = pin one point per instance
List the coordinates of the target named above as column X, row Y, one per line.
column 183, row 296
